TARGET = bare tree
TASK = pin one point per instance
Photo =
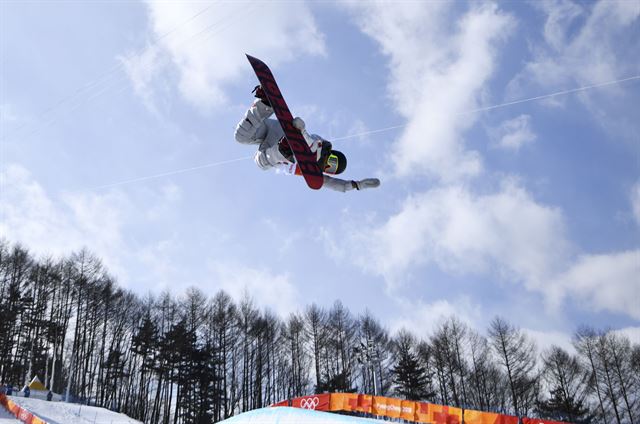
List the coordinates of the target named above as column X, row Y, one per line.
column 448, row 344
column 341, row 331
column 585, row 343
column 486, row 382
column 300, row 360
column 621, row 355
column 517, row 355
column 223, row 326
column 315, row 323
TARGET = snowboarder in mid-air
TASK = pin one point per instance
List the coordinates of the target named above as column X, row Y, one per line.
column 274, row 149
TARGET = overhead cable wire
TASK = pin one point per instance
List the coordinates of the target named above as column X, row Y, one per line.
column 501, row 105
column 169, row 173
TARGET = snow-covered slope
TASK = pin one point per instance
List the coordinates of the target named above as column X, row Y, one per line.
column 70, row 413
column 284, row 415
column 6, row 417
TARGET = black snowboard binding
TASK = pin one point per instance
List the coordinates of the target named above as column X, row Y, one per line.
column 259, row 93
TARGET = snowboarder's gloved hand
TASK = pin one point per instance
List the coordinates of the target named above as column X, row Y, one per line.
column 366, row 183
column 259, row 93
column 299, row 123
column 285, row 149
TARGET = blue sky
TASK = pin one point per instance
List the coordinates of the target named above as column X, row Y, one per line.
column 117, row 123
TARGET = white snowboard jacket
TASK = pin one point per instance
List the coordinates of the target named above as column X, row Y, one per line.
column 256, row 128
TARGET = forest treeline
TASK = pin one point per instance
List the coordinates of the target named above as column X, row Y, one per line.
column 200, row 358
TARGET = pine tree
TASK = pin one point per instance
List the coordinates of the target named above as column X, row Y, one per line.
column 568, row 381
column 145, row 345
column 338, row 383
column 409, row 376
column 561, row 407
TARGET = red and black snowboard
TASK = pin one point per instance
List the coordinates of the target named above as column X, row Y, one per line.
column 305, row 158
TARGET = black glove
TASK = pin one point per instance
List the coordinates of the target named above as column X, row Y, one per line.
column 285, row 149
column 365, row 184
column 259, row 93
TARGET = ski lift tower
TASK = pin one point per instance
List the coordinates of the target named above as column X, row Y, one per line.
column 366, row 354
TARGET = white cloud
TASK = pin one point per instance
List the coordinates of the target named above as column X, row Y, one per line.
column 358, row 131
column 560, row 14
column 274, row 291
column 423, row 318
column 607, row 282
column 545, row 339
column 206, row 46
column 506, row 233
column 158, row 260
column 142, row 69
column 580, row 51
column 164, row 201
column 50, row 226
column 514, row 133
column 438, row 67
column 633, row 333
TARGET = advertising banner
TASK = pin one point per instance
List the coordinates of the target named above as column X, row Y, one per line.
column 408, row 410
column 343, row 402
column 350, row 402
column 316, row 402
column 419, row 412
column 365, row 404
column 379, row 405
column 506, row 419
column 336, row 402
column 422, row 412
column 394, row 407
column 479, row 417
column 439, row 414
column 281, row 403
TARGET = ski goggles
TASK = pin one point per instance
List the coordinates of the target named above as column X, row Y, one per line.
column 331, row 166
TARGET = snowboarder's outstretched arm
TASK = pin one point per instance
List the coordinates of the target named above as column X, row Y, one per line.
column 333, row 183
column 338, row 184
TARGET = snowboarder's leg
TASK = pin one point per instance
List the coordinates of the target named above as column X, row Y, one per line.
column 249, row 130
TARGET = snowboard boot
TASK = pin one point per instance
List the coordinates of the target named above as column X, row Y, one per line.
column 259, row 93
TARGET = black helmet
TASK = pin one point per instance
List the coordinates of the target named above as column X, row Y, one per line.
column 336, row 163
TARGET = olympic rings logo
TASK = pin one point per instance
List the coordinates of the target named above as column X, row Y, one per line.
column 309, row 403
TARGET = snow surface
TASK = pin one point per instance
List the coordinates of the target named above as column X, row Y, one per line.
column 6, row 417
column 284, row 415
column 70, row 413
